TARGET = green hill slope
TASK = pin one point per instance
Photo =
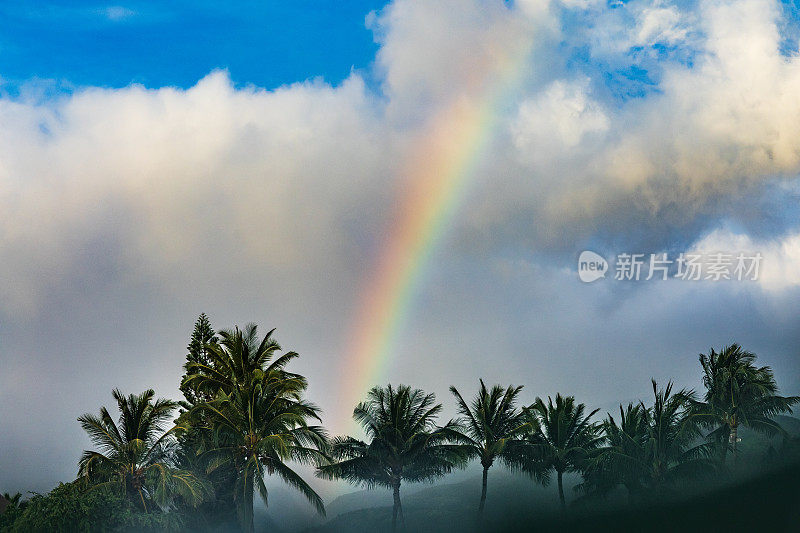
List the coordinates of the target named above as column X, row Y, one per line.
column 515, row 503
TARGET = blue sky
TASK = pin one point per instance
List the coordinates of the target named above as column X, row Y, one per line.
column 177, row 43
column 268, row 44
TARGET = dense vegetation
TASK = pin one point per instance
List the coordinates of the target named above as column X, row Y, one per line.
column 196, row 465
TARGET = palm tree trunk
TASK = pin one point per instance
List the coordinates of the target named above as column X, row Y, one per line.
column 483, row 494
column 734, row 439
column 247, row 503
column 561, row 491
column 723, row 449
column 397, row 509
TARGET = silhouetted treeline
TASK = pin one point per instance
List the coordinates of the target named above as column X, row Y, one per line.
column 245, row 416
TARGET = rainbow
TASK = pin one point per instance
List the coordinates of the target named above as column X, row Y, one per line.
column 440, row 170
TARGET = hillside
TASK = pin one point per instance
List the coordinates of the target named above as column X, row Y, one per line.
column 452, row 506
column 428, row 507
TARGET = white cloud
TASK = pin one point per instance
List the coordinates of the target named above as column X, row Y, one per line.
column 177, row 177
column 300, row 177
column 307, row 169
column 637, row 26
column 780, row 264
column 714, row 131
column 118, row 12
column 659, row 24
column 432, row 52
column 557, row 120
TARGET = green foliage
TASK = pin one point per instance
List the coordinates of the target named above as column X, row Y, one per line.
column 218, row 510
column 622, row 460
column 738, row 393
column 766, row 502
column 258, row 419
column 405, row 443
column 202, row 336
column 15, row 500
column 246, row 417
column 11, row 507
column 491, row 424
column 134, row 454
column 652, row 451
column 490, row 428
column 561, row 437
column 73, row 507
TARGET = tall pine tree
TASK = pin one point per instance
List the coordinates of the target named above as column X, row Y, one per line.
column 219, row 512
column 202, row 336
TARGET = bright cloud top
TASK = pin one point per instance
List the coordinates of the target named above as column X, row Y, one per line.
column 300, row 169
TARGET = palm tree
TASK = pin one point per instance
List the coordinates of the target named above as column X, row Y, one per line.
column 563, row 436
column 11, row 507
column 258, row 420
column 237, row 361
column 9, row 501
column 620, row 461
column 12, row 500
column 134, row 452
column 738, row 393
column 651, row 449
column 405, row 443
column 670, row 451
column 491, row 428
